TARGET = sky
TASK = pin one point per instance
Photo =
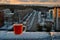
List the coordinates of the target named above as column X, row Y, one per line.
column 32, row 2
column 40, row 0
column 17, row 1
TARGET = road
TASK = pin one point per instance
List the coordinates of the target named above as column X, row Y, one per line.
column 32, row 22
column 34, row 26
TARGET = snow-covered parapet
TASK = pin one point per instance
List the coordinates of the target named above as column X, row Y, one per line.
column 25, row 35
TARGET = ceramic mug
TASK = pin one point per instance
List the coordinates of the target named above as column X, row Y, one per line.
column 18, row 28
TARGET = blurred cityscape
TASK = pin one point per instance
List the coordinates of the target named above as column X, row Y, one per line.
column 35, row 18
column 40, row 19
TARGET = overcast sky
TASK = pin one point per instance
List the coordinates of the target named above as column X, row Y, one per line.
column 42, row 0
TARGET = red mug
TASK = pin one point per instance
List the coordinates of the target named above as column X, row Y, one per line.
column 18, row 28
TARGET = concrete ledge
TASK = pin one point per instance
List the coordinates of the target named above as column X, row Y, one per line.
column 24, row 35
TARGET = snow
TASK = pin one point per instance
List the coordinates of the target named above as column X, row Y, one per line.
column 25, row 35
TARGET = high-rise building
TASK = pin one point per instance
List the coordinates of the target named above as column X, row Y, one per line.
column 1, row 18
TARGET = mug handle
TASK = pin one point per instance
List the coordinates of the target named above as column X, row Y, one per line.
column 24, row 29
